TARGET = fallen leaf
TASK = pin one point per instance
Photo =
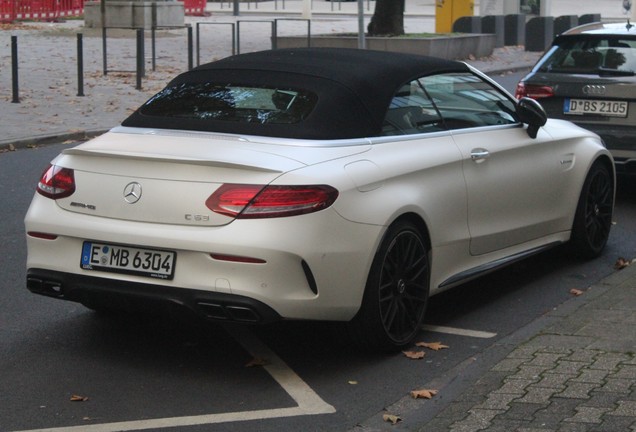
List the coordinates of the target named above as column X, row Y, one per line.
column 77, row 398
column 390, row 418
column 414, row 355
column 257, row 361
column 576, row 292
column 435, row 346
column 425, row 394
column 621, row 263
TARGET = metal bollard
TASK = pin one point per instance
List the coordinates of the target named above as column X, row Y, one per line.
column 14, row 69
column 140, row 57
column 104, row 50
column 80, row 65
column 190, row 49
column 153, row 46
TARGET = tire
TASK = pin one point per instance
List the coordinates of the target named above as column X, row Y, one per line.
column 593, row 218
column 396, row 292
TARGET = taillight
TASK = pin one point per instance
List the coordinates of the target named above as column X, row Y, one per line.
column 258, row 201
column 533, row 91
column 56, row 182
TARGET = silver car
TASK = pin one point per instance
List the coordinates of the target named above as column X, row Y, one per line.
column 588, row 77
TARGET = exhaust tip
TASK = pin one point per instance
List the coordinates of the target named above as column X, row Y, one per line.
column 220, row 312
column 45, row 287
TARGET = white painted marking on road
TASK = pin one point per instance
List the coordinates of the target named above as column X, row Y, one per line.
column 306, row 398
column 309, row 403
column 458, row 331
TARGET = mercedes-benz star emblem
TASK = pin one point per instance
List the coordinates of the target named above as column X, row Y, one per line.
column 132, row 192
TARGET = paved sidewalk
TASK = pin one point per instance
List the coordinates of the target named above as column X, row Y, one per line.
column 578, row 373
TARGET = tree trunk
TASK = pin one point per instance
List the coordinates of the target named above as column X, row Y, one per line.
column 388, row 18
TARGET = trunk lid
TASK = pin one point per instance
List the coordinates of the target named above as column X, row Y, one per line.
column 166, row 178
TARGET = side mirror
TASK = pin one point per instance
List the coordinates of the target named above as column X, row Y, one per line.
column 532, row 113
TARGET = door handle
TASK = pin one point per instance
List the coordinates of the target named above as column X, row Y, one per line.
column 479, row 155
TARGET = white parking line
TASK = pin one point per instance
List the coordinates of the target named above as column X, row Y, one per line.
column 309, row 403
column 458, row 331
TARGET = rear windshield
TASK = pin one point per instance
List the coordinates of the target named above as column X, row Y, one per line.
column 232, row 103
column 593, row 55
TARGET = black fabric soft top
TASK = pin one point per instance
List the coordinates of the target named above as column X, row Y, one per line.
column 354, row 89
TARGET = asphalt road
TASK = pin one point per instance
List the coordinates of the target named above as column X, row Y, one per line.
column 155, row 372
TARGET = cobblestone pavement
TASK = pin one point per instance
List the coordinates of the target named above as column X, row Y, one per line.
column 578, row 374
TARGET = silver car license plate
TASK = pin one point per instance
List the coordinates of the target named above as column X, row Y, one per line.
column 595, row 107
column 151, row 263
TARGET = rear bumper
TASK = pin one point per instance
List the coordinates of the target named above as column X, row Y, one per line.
column 98, row 292
column 314, row 269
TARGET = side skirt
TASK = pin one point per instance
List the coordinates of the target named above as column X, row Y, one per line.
column 490, row 267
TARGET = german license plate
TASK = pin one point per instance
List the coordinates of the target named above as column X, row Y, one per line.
column 151, row 263
column 595, row 107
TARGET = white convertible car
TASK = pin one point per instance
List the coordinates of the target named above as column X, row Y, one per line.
column 315, row 184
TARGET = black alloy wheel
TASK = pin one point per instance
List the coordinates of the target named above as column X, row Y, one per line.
column 593, row 218
column 397, row 291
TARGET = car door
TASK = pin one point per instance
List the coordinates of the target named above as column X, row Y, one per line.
column 512, row 180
